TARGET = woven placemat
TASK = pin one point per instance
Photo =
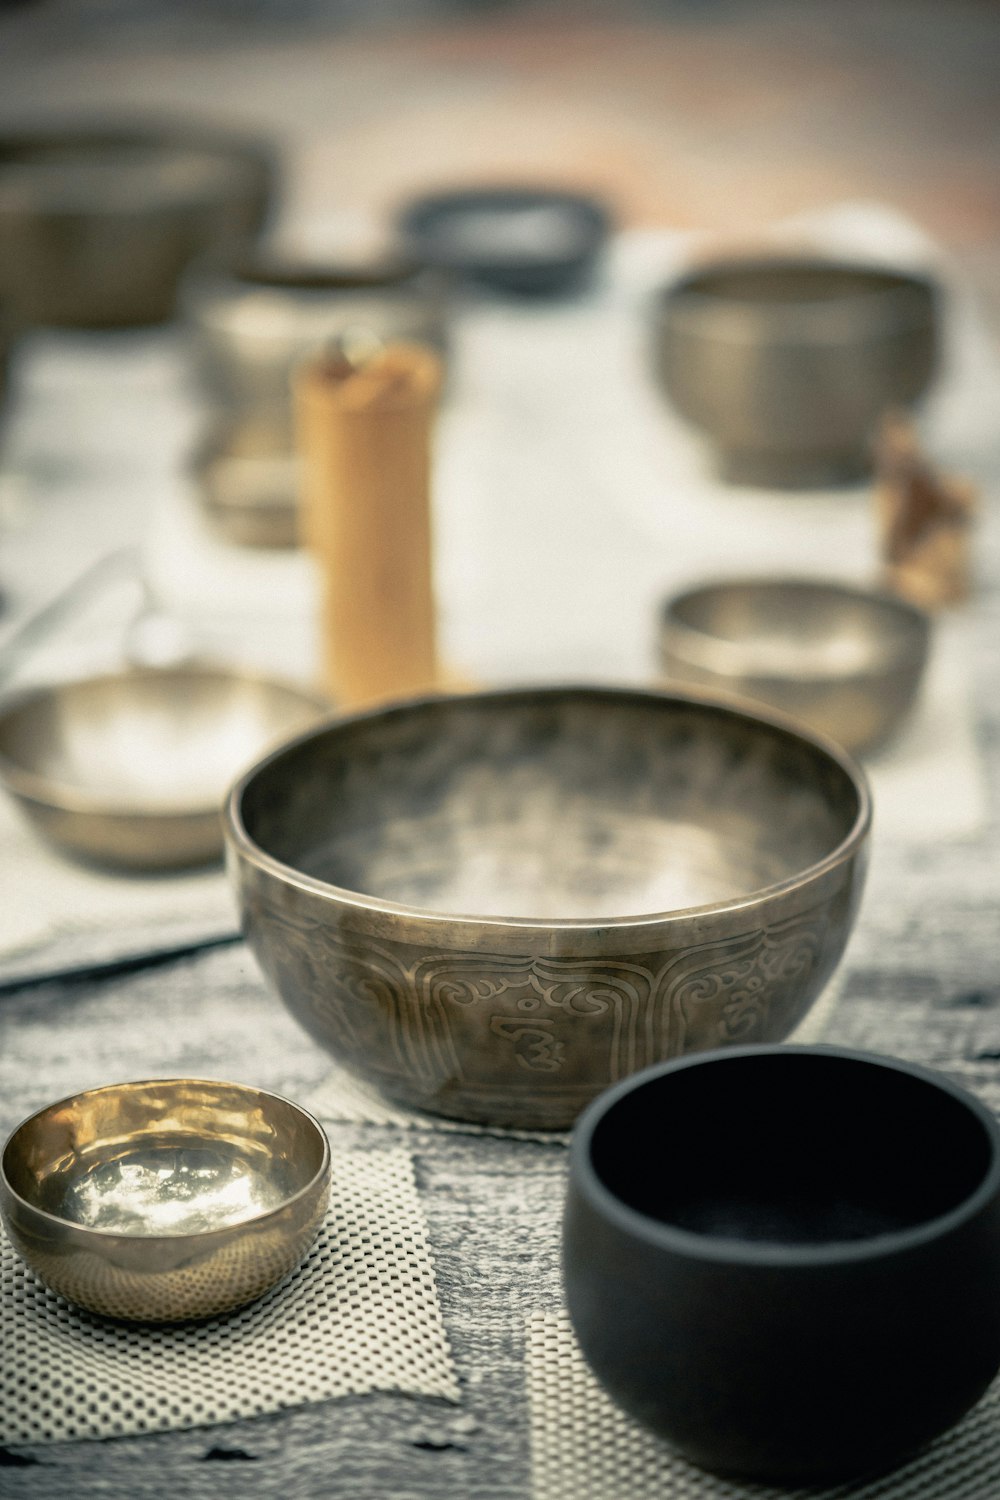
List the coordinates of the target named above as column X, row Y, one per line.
column 584, row 1448
column 361, row 1314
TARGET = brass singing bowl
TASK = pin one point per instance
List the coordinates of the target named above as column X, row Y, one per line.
column 166, row 1200
column 786, row 365
column 252, row 318
column 491, row 906
column 847, row 662
column 130, row 769
column 247, row 482
column 97, row 224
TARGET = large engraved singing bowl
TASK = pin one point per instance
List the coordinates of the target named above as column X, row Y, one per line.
column 492, row 906
column 165, row 1200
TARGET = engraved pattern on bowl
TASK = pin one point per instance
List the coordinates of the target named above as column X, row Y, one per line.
column 492, row 906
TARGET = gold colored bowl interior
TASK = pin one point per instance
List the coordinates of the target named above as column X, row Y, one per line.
column 177, row 1157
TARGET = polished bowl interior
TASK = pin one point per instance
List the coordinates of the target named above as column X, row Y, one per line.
column 787, row 364
column 515, row 864
column 847, row 661
column 165, row 1200
column 98, row 224
column 131, row 768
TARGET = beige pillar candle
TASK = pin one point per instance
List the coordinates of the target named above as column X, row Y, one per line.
column 364, row 433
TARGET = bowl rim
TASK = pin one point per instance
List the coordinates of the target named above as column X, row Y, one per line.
column 64, row 796
column 240, row 842
column 703, row 647
column 203, row 1235
column 684, row 304
column 723, row 1250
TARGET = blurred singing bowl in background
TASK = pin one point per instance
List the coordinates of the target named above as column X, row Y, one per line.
column 165, row 1200
column 252, row 317
column 130, row 769
column 97, row 224
column 529, row 241
column 787, row 365
column 247, row 480
column 491, row 906
column 845, row 661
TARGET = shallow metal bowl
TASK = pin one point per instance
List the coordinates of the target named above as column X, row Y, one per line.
column 847, row 662
column 786, row 365
column 247, row 483
column 130, row 769
column 165, row 1200
column 493, row 905
column 252, row 318
column 98, row 224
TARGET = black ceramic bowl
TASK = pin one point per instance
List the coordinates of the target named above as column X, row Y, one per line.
column 786, row 1260
column 528, row 241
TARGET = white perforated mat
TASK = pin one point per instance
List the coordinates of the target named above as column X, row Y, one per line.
column 361, row 1314
column 584, row 1448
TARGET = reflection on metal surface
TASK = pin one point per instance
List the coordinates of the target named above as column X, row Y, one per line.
column 845, row 661
column 166, row 1200
column 130, row 769
column 493, row 905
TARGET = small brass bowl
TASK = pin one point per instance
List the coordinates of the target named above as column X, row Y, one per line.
column 97, row 223
column 165, row 1200
column 252, row 318
column 787, row 364
column 492, row 905
column 130, row 769
column 847, row 662
column 247, row 481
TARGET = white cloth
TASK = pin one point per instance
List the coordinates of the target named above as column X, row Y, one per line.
column 569, row 501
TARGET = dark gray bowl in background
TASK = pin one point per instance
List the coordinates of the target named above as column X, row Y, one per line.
column 786, row 1260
